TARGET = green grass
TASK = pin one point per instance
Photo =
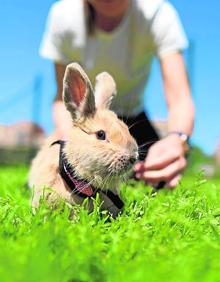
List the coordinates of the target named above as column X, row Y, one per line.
column 173, row 236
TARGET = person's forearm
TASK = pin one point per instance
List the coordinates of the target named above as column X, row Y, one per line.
column 62, row 119
column 177, row 93
column 181, row 116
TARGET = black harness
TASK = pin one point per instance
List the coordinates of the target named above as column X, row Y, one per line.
column 84, row 190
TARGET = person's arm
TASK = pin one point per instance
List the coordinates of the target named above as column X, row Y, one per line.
column 61, row 116
column 178, row 95
column 166, row 160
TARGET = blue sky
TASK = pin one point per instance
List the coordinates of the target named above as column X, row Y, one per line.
column 21, row 27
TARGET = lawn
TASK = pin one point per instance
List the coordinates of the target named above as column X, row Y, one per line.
column 171, row 236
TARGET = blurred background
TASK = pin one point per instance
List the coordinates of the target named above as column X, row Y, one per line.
column 27, row 83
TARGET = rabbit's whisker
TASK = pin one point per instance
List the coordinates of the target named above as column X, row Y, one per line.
column 147, row 143
column 135, row 123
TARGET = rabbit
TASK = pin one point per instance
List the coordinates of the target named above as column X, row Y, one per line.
column 99, row 151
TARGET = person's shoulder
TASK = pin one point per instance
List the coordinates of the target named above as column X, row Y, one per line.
column 69, row 6
column 67, row 12
column 149, row 8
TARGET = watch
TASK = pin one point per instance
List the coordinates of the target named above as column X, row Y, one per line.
column 184, row 138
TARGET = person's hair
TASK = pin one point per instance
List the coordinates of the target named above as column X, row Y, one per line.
column 90, row 17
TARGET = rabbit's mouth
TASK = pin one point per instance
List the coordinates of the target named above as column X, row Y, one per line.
column 122, row 166
column 120, row 171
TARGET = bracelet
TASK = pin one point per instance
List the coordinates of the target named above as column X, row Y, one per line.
column 184, row 138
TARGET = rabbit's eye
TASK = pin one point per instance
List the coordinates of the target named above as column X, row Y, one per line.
column 101, row 135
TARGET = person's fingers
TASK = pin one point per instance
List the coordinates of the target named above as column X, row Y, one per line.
column 166, row 173
column 162, row 160
column 174, row 181
column 164, row 152
column 138, row 175
column 171, row 184
column 139, row 167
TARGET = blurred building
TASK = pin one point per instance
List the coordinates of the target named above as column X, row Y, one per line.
column 19, row 142
column 21, row 134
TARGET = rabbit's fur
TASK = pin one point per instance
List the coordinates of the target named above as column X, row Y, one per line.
column 102, row 163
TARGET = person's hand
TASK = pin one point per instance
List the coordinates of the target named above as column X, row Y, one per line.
column 164, row 162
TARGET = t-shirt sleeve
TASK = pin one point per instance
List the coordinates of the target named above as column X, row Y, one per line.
column 168, row 32
column 53, row 42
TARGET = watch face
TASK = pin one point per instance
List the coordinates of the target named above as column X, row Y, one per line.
column 184, row 137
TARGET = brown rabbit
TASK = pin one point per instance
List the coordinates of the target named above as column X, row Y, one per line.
column 98, row 153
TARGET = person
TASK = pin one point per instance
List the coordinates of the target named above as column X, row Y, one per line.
column 122, row 38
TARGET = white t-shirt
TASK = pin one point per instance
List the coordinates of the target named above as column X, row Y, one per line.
column 149, row 28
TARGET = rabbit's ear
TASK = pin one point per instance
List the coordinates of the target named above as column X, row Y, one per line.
column 105, row 90
column 78, row 94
